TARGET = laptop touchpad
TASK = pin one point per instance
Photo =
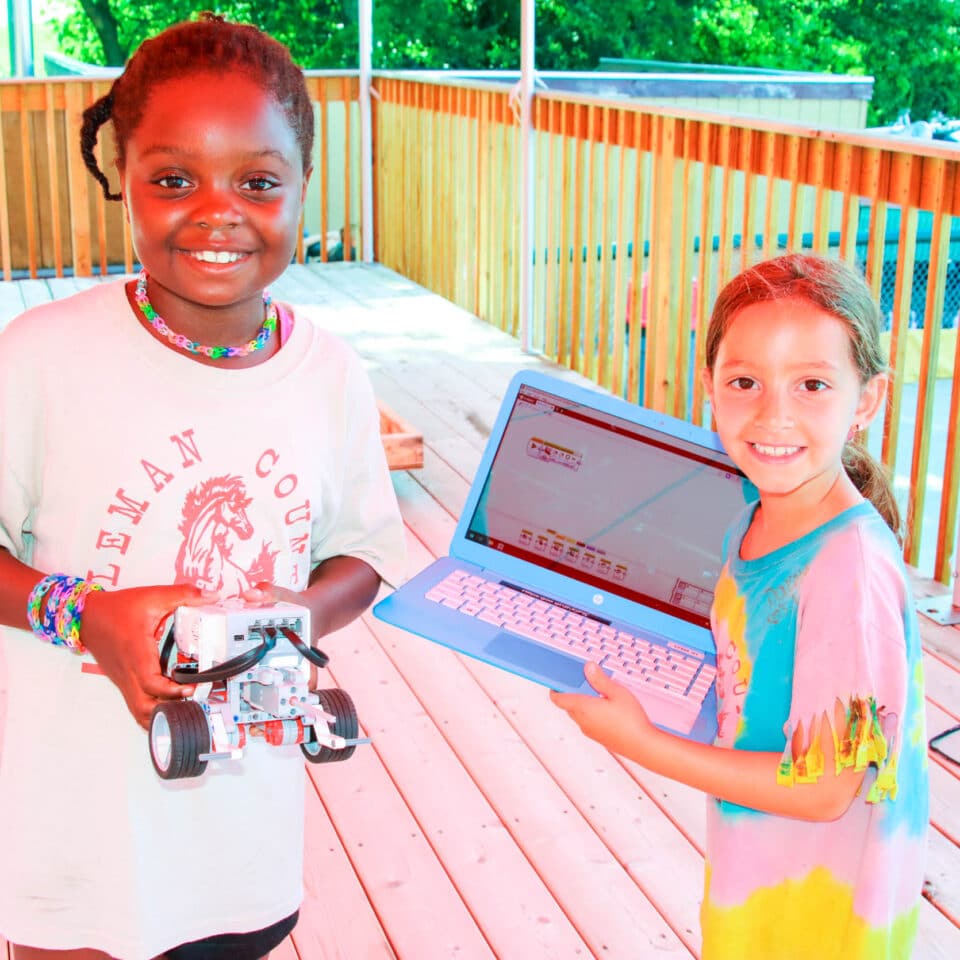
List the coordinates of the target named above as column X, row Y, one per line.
column 557, row 669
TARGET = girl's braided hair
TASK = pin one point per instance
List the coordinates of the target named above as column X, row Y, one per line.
column 840, row 290
column 207, row 44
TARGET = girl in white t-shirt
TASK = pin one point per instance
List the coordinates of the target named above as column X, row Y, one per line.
column 163, row 442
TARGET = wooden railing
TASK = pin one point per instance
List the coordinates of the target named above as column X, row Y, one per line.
column 53, row 216
column 643, row 213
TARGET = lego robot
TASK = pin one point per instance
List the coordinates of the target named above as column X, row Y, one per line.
column 250, row 667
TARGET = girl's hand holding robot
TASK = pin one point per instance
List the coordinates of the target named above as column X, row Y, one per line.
column 121, row 629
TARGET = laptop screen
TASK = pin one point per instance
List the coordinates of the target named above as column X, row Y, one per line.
column 631, row 510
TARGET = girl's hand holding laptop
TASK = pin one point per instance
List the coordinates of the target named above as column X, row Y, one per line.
column 615, row 718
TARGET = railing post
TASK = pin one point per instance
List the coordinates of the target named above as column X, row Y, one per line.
column 365, row 14
column 527, row 67
column 20, row 22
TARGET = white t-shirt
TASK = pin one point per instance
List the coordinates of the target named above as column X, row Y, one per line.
column 127, row 463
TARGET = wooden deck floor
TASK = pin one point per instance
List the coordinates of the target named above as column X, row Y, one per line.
column 480, row 823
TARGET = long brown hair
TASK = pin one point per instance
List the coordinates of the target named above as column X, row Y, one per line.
column 841, row 291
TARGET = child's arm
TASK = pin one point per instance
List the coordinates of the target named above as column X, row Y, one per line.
column 616, row 720
column 119, row 629
column 339, row 590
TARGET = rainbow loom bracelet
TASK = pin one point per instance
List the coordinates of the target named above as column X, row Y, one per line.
column 65, row 597
column 70, row 611
column 35, row 599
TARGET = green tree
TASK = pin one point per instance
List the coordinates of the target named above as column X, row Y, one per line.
column 910, row 47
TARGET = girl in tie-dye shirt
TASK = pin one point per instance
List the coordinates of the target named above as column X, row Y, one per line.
column 817, row 780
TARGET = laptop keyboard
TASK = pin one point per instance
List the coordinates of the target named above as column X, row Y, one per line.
column 669, row 679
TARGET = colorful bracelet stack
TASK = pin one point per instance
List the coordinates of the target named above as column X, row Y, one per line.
column 55, row 606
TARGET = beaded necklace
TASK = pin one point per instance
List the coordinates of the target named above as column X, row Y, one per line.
column 194, row 346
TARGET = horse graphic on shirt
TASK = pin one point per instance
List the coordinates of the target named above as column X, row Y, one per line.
column 214, row 521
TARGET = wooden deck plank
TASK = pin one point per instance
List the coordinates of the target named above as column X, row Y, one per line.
column 286, row 951
column 406, row 883
column 937, row 936
column 942, row 682
column 332, row 891
column 34, row 292
column 11, row 302
column 450, row 808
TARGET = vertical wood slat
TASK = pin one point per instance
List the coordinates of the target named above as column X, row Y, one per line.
column 703, row 285
column 503, row 175
column 590, row 258
column 509, row 229
column 947, row 521
column 635, row 300
column 794, row 225
column 457, row 218
column 99, row 203
column 605, row 271
column 726, row 148
column 551, row 264
column 78, row 181
column 900, row 183
column 28, row 164
column 749, row 192
column 53, row 180
column 768, row 158
column 324, row 169
column 432, row 175
column 565, row 243
column 618, row 381
column 935, row 177
column 375, row 138
column 6, row 252
column 348, row 153
column 661, row 332
column 681, row 406
column 848, row 221
column 817, row 159
column 478, row 198
column 484, row 205
column 579, row 176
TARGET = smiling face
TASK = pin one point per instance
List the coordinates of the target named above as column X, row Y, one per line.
column 213, row 184
column 785, row 393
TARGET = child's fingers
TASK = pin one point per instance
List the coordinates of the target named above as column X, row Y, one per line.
column 163, row 688
column 261, row 593
column 186, row 596
column 600, row 681
column 596, row 678
column 565, row 701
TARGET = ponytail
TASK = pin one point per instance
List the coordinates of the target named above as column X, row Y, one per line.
column 94, row 117
column 873, row 482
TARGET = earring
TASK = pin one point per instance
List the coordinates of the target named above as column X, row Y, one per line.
column 852, row 433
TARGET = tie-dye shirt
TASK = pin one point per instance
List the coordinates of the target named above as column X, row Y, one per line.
column 822, row 627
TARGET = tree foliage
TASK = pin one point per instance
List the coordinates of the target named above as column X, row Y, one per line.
column 910, row 47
